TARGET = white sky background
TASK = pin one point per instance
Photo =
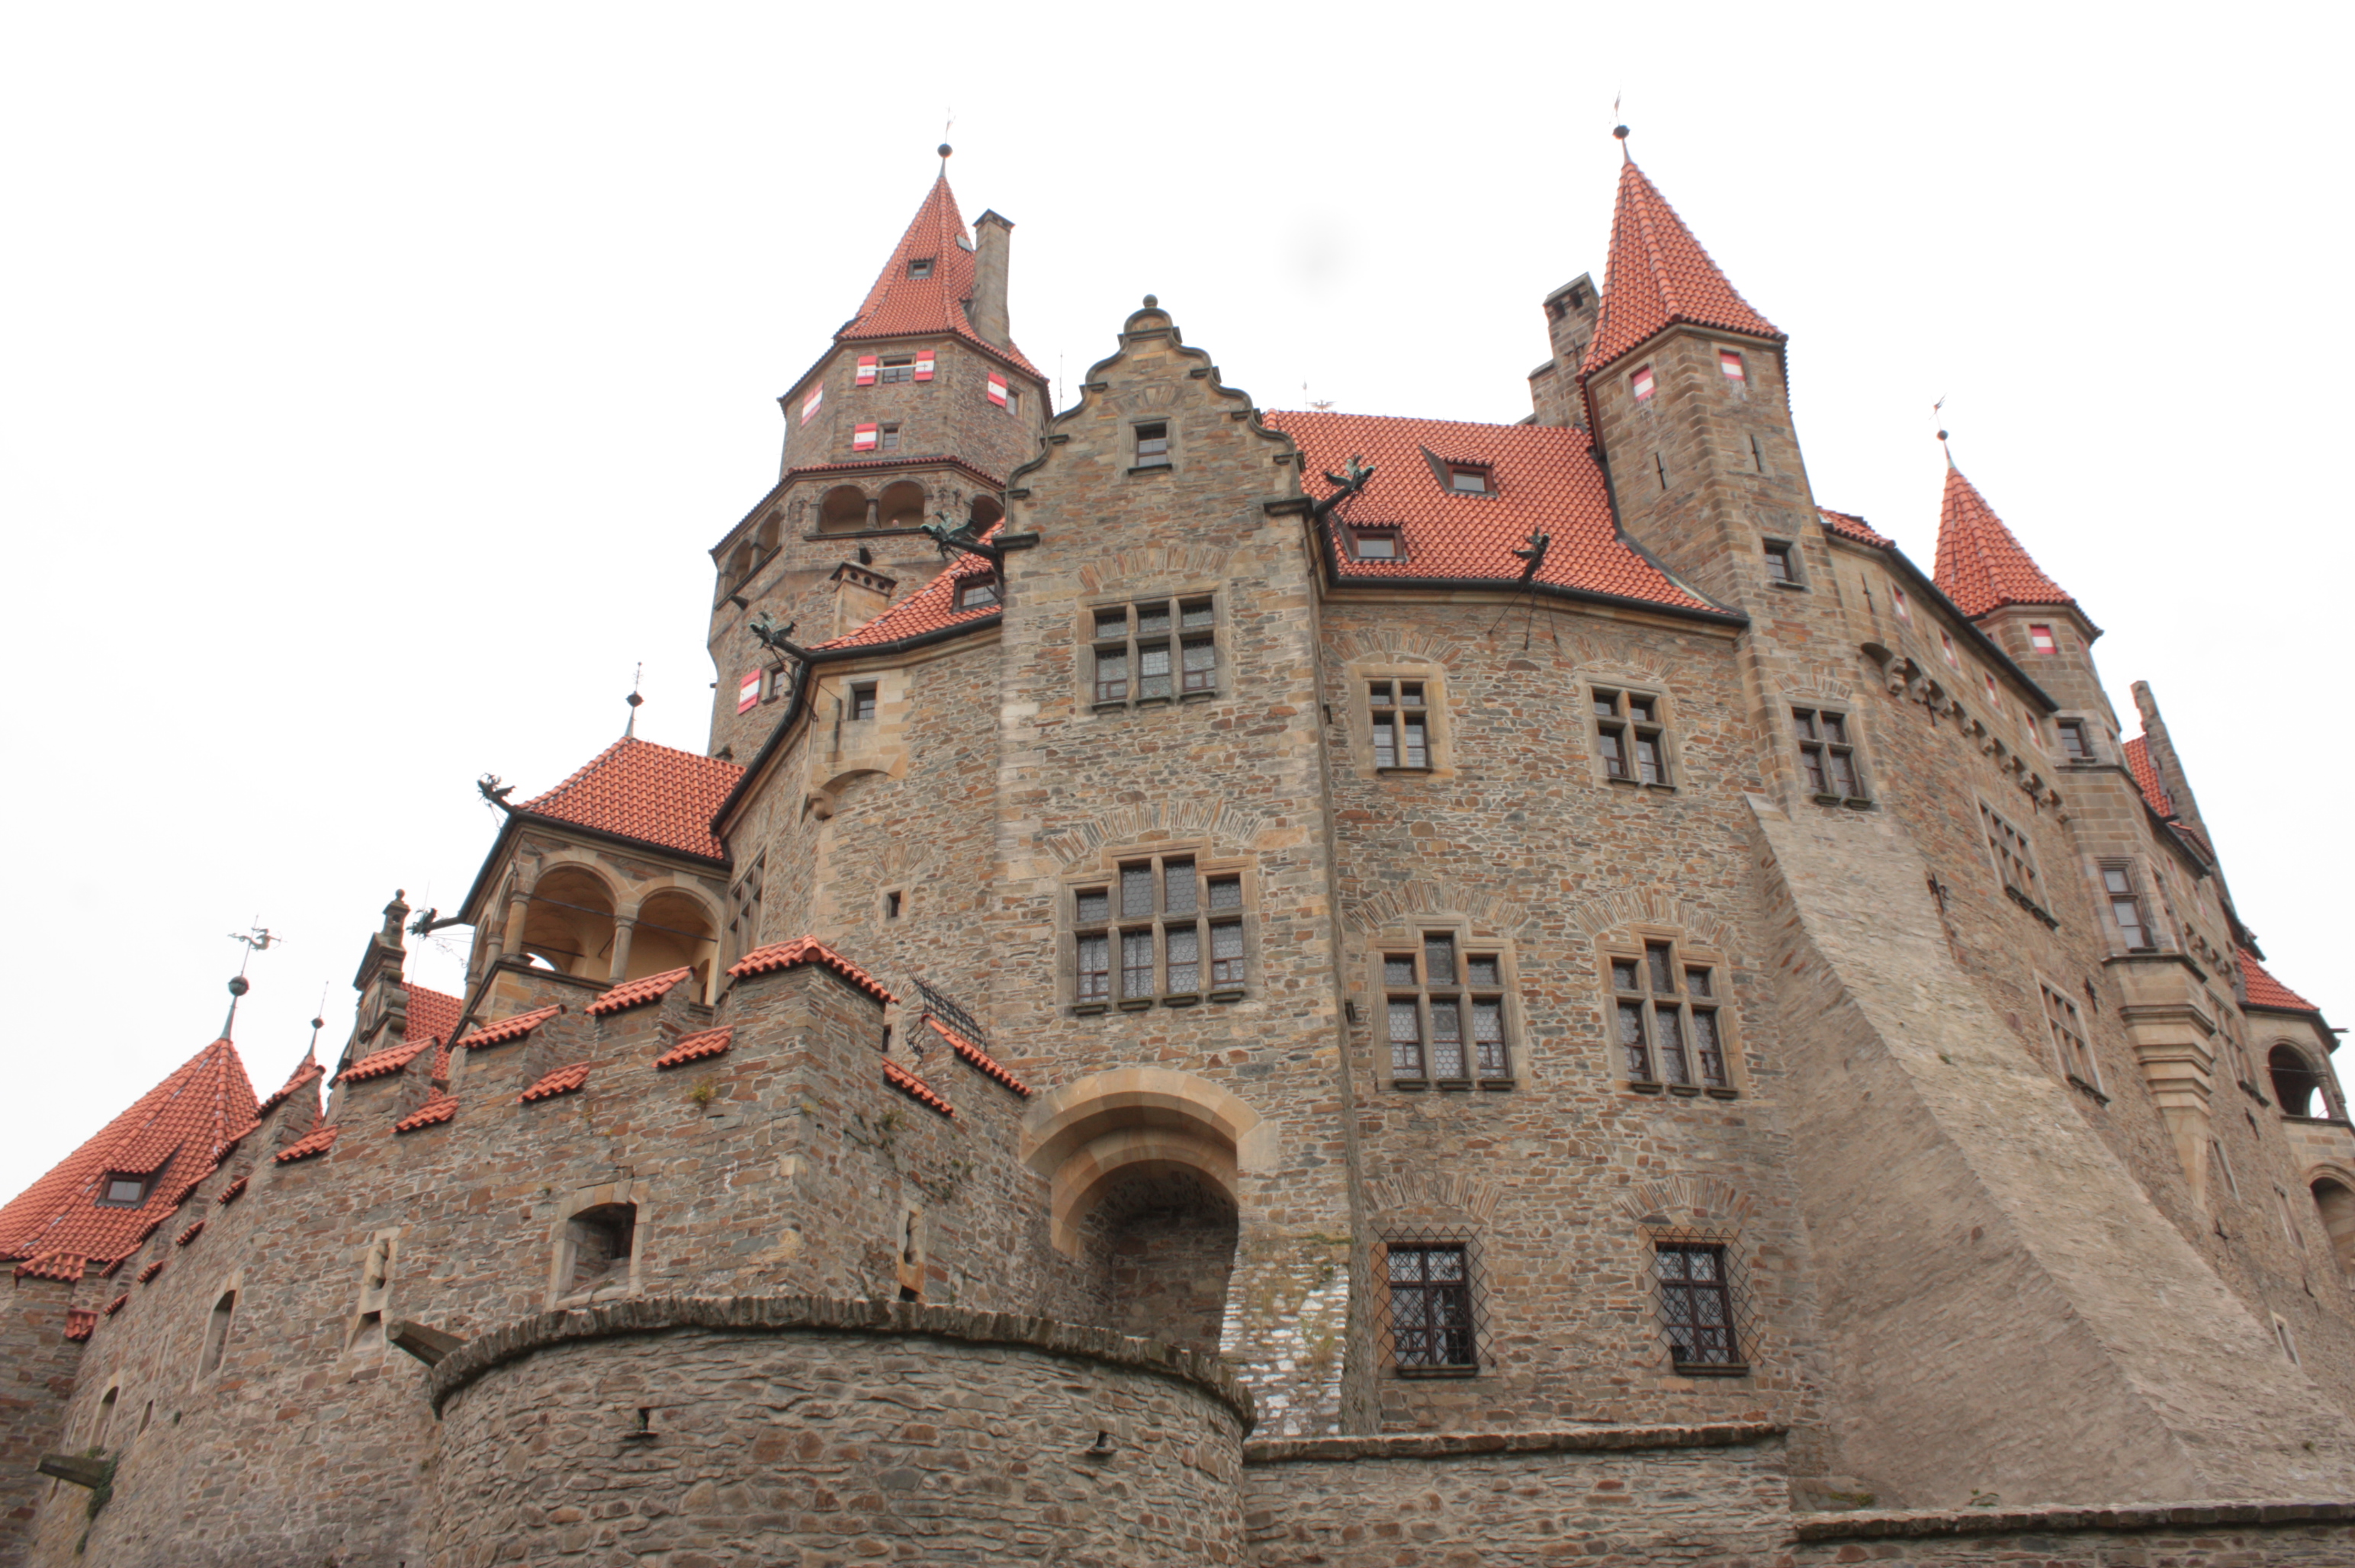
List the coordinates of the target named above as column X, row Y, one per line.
column 373, row 385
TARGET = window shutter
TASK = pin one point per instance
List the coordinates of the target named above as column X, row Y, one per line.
column 1731, row 363
column 748, row 694
column 1642, row 382
column 998, row 388
column 923, row 365
column 2040, row 639
column 862, row 438
column 809, row 404
column 867, row 369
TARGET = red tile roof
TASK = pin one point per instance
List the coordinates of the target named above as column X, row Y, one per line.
column 233, row 1192
column 563, row 1081
column 150, row 1271
column 2265, row 991
column 1980, row 566
column 440, row 1108
column 633, row 993
column 696, row 1047
column 929, row 608
column 2146, row 777
column 66, row 1266
column 902, row 307
column 190, row 1235
column 808, row 950
column 80, row 1323
column 635, row 789
column 1546, row 479
column 432, row 1013
column 1658, row 273
column 175, row 1131
column 509, row 1029
column 306, row 1070
column 1850, row 527
column 383, row 1063
column 117, row 1304
column 915, row 1088
column 318, row 1140
column 978, row 1057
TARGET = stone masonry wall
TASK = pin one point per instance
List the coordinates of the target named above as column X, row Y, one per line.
column 936, row 1436
column 38, row 1368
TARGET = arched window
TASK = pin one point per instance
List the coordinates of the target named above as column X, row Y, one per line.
column 673, row 930
column 901, row 506
column 2336, row 1201
column 2296, row 1082
column 217, row 1333
column 600, row 1240
column 844, row 510
column 570, row 922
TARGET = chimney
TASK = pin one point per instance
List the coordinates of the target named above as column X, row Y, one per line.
column 1570, row 326
column 860, row 594
column 988, row 313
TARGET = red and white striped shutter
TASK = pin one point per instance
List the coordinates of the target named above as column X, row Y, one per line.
column 998, row 388
column 862, row 438
column 2040, row 639
column 809, row 404
column 923, row 365
column 1731, row 363
column 867, row 369
column 1643, row 383
column 748, row 694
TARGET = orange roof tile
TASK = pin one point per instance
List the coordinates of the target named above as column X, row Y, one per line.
column 440, row 1108
column 808, row 950
column 633, row 993
column 1850, row 527
column 915, row 1088
column 80, row 1323
column 696, row 1047
column 2146, row 777
column 652, row 794
column 931, row 608
column 190, row 1235
column 173, row 1134
column 563, row 1081
column 383, row 1063
column 1545, row 478
column 902, row 307
column 1980, row 566
column 318, row 1140
column 233, row 1192
column 66, row 1266
column 434, row 1014
column 2265, row 991
column 150, row 1271
column 305, row 1072
column 978, row 1057
column 509, row 1029
column 1659, row 274
column 117, row 1304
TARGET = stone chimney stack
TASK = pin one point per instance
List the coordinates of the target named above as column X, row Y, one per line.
column 860, row 594
column 987, row 313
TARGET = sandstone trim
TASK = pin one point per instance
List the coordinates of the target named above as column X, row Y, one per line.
column 1444, row 1445
column 2044, row 1520
column 825, row 1315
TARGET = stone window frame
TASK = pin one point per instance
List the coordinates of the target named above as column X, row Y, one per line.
column 1135, row 439
column 903, row 363
column 1412, row 939
column 1438, row 734
column 864, row 701
column 1177, row 639
column 1661, row 729
column 1802, row 707
column 1104, row 873
column 2070, row 1036
column 1735, row 381
column 1472, row 1243
column 2089, row 736
column 563, row 1250
column 2100, row 868
column 2010, row 854
column 1634, row 945
column 1772, row 548
column 1741, row 1309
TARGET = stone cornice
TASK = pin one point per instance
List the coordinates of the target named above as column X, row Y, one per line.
column 1998, row 1520
column 1455, row 1444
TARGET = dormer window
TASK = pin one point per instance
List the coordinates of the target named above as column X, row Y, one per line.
column 125, row 1189
column 1642, row 384
column 1469, row 479
column 1378, row 544
column 979, row 594
column 921, row 268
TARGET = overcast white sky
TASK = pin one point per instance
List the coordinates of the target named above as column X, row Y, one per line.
column 373, row 382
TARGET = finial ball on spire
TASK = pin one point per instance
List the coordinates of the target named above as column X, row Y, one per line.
column 1942, row 436
column 239, row 986
column 1620, row 132
column 1152, row 302
column 945, row 149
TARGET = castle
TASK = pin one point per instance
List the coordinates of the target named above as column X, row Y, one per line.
column 1267, row 987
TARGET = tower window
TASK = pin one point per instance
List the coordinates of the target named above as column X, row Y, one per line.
column 1736, row 375
column 921, row 268
column 1153, row 445
column 891, row 904
column 2015, row 857
column 1946, row 646
column 2040, row 638
column 2126, row 908
column 602, row 1240
column 902, row 368
column 1668, row 1033
column 1904, row 611
column 1826, row 758
column 217, row 1328
column 1401, row 724
column 1782, row 562
column 1629, row 736
column 862, row 700
column 1469, row 479
column 887, row 438
column 1642, row 384
column 2075, row 746
column 1445, row 1013
column 1134, row 656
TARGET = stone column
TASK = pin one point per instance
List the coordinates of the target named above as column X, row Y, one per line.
column 624, row 922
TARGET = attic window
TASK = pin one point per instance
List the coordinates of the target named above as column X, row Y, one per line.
column 922, row 268
column 1153, row 445
column 1378, row 544
column 1642, row 384
column 1469, row 479
column 2040, row 638
column 978, row 595
column 126, row 1191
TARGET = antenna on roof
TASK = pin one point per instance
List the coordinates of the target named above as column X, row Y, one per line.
column 630, row 729
column 260, row 939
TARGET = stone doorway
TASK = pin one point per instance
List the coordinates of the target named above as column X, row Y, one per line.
column 1159, row 1252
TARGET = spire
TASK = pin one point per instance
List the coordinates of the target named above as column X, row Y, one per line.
column 1980, row 566
column 1659, row 274
column 912, row 298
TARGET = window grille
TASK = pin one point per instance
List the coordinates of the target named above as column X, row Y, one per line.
column 1152, row 651
column 1401, row 724
column 1701, row 1299
column 1445, row 1013
column 948, row 1012
column 1669, row 1033
column 1431, row 1305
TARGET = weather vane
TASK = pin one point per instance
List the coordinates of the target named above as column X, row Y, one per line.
column 260, row 939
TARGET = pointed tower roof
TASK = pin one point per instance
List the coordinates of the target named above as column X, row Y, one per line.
column 173, row 1137
column 1659, row 274
column 1980, row 566
column 903, row 306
